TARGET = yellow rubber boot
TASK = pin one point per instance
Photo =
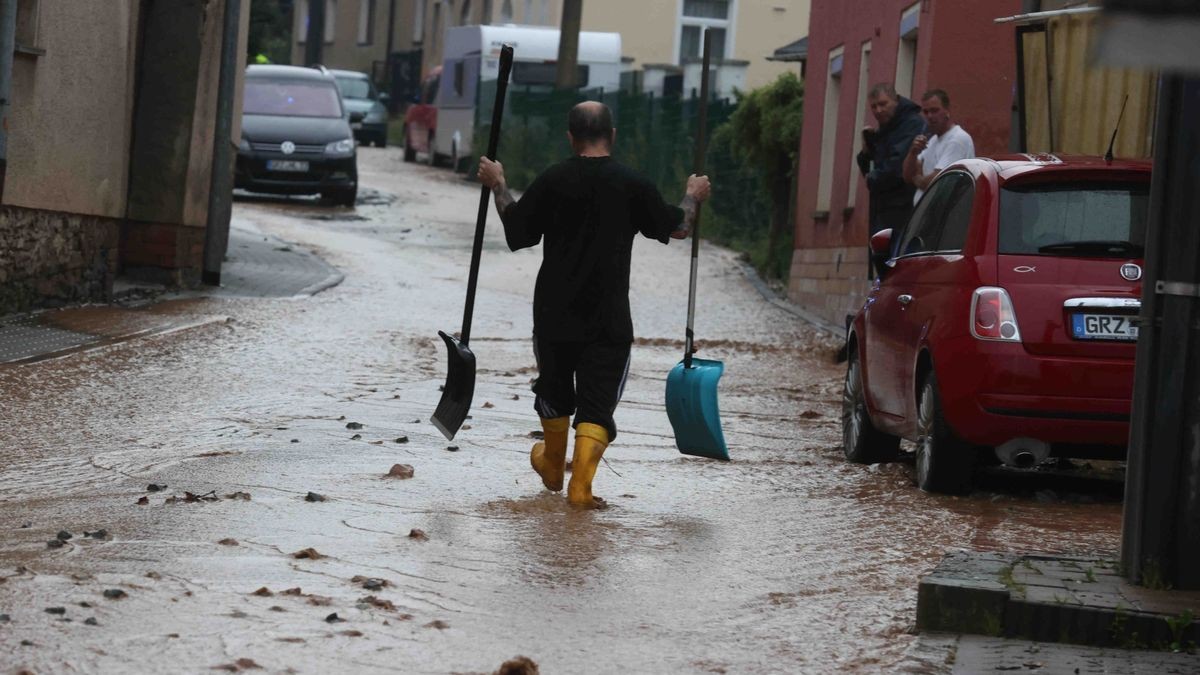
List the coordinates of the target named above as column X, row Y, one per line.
column 590, row 442
column 550, row 456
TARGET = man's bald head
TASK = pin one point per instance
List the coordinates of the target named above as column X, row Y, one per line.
column 590, row 122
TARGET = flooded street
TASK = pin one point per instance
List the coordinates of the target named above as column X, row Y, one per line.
column 786, row 559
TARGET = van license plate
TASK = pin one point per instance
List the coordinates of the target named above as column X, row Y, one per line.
column 287, row 165
column 1103, row 327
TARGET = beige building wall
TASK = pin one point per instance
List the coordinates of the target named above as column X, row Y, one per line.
column 343, row 49
column 763, row 27
column 69, row 130
column 650, row 31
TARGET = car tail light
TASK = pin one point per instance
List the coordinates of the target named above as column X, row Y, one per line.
column 992, row 315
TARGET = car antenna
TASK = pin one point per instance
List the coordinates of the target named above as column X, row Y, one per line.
column 1108, row 156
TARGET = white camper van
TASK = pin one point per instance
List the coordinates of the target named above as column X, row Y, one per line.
column 472, row 55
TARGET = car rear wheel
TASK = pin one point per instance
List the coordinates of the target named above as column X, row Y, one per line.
column 381, row 140
column 861, row 441
column 944, row 463
column 431, row 158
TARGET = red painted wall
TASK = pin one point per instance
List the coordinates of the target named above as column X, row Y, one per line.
column 959, row 49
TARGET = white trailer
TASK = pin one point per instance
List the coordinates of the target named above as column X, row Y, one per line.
column 472, row 56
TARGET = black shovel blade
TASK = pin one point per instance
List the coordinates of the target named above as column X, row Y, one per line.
column 459, row 389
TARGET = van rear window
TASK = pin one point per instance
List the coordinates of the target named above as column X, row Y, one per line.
column 1082, row 219
column 527, row 72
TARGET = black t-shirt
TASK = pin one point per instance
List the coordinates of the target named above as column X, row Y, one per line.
column 588, row 210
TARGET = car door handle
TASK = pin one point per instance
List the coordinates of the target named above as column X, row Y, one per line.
column 905, row 299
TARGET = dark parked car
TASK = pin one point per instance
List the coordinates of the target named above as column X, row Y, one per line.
column 1004, row 323
column 296, row 136
column 359, row 96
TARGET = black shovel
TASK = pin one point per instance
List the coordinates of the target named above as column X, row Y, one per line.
column 460, row 376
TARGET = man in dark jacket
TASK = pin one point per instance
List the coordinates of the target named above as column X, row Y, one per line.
column 586, row 212
column 882, row 157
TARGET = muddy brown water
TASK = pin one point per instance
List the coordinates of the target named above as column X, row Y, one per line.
column 786, row 559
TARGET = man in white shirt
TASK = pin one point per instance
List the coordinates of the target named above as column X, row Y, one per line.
column 947, row 143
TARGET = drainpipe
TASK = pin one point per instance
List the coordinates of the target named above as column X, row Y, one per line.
column 220, row 194
column 8, row 44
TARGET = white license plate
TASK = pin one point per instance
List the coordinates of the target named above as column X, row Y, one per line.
column 287, row 165
column 356, row 125
column 1103, row 327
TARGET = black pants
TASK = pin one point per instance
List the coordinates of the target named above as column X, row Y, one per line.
column 585, row 379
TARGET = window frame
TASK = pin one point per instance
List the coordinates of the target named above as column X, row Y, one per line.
column 728, row 24
column 366, row 27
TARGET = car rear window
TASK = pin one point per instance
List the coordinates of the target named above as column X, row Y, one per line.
column 353, row 87
column 1084, row 219
column 291, row 98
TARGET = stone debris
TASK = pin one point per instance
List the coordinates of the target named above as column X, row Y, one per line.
column 400, row 471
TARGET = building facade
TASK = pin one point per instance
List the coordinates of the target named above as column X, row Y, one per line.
column 668, row 32
column 917, row 45
column 110, row 142
column 356, row 33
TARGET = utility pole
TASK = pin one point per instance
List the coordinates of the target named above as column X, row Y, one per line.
column 568, row 44
column 314, row 39
column 1160, row 540
column 220, row 195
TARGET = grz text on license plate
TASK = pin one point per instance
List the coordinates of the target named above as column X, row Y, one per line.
column 1103, row 327
column 287, row 165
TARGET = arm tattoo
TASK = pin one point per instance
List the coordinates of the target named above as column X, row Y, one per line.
column 504, row 199
column 690, row 207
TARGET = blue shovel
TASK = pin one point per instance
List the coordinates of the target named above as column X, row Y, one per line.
column 692, row 383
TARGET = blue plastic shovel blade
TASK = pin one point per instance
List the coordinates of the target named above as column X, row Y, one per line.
column 692, row 408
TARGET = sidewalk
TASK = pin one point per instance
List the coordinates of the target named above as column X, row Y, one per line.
column 1037, row 599
column 256, row 266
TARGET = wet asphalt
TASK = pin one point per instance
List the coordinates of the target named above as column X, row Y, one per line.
column 784, row 560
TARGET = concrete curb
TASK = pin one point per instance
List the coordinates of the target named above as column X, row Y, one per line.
column 1072, row 599
column 772, row 297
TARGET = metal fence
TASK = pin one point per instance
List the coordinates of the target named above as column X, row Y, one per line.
column 656, row 136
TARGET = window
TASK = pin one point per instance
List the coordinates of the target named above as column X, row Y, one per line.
column 506, row 12
column 356, row 87
column 419, row 22
column 864, row 78
column 27, row 23
column 302, row 19
column 698, row 15
column 464, row 13
column 294, row 98
column 436, row 37
column 941, row 219
column 486, row 19
column 833, row 95
column 366, row 21
column 906, row 54
column 691, row 42
column 1076, row 218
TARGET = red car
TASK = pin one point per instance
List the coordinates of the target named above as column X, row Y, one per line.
column 420, row 120
column 1005, row 320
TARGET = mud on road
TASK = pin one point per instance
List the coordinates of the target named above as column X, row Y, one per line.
column 181, row 468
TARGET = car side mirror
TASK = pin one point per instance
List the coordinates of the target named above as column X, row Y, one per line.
column 881, row 249
column 357, row 116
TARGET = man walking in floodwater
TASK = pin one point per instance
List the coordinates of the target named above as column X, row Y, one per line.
column 587, row 209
